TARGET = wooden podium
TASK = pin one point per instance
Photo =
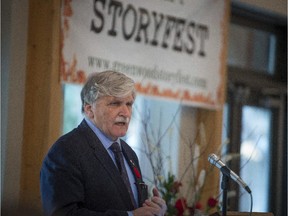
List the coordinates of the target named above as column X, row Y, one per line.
column 233, row 213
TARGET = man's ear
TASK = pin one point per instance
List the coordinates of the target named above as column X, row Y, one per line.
column 88, row 111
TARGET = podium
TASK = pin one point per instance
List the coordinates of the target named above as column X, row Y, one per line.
column 234, row 213
column 231, row 213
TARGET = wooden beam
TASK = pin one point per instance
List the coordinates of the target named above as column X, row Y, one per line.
column 43, row 96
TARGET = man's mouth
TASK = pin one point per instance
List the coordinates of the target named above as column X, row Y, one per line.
column 120, row 123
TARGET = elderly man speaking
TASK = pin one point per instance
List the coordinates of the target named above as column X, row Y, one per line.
column 91, row 171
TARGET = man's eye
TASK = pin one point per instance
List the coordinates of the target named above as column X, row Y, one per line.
column 115, row 103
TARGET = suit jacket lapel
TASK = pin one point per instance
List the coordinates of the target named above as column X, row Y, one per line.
column 142, row 188
column 104, row 158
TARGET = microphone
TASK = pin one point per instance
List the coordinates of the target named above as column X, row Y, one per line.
column 213, row 159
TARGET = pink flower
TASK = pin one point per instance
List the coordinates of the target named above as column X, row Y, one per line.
column 180, row 205
column 198, row 205
column 212, row 202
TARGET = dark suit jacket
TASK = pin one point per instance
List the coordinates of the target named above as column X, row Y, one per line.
column 78, row 177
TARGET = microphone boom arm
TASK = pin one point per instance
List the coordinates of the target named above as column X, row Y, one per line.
column 213, row 159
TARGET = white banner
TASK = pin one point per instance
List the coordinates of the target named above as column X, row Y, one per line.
column 171, row 48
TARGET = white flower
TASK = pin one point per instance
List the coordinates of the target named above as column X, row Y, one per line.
column 201, row 180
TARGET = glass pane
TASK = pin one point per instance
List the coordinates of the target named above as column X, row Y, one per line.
column 255, row 157
column 251, row 49
column 72, row 107
column 225, row 140
column 155, row 122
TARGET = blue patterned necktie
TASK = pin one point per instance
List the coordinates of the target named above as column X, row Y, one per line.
column 121, row 167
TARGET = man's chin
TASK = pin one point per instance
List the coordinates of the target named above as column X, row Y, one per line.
column 120, row 133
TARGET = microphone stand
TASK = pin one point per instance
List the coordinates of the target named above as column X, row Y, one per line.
column 224, row 186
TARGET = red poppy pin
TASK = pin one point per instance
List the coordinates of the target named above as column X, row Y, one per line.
column 135, row 170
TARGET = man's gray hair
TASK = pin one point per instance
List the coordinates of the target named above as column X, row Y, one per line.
column 106, row 83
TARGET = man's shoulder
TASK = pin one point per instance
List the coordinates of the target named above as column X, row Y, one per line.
column 78, row 133
column 73, row 140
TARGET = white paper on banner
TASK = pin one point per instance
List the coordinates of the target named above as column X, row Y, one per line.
column 172, row 49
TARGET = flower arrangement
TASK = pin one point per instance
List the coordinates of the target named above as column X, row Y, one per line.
column 179, row 206
column 183, row 195
column 194, row 190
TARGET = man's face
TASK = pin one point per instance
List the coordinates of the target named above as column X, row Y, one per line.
column 111, row 115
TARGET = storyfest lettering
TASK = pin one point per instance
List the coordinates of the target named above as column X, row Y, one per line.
column 151, row 28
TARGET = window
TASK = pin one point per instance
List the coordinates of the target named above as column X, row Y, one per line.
column 255, row 112
column 255, row 156
column 72, row 107
column 252, row 49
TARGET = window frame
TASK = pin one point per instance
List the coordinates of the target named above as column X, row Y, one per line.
column 272, row 90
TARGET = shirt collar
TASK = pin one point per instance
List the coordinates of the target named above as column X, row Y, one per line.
column 107, row 142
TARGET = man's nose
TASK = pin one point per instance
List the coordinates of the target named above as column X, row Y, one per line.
column 125, row 110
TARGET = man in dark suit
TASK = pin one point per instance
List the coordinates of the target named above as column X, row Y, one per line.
column 82, row 174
